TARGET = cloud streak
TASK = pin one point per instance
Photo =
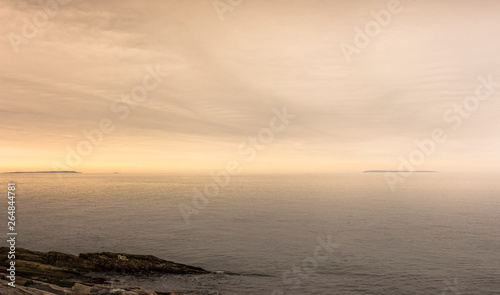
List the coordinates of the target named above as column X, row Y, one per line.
column 226, row 77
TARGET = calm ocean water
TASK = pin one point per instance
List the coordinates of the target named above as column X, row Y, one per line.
column 438, row 233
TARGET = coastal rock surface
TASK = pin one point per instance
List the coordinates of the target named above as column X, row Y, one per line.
column 53, row 270
column 33, row 287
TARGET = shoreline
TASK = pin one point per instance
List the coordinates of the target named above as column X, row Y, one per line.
column 59, row 273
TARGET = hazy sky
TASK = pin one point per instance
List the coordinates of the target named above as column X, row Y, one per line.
column 228, row 70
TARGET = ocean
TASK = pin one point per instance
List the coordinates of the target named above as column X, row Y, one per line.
column 344, row 233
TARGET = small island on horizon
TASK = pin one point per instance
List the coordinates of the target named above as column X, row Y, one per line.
column 399, row 171
column 42, row 172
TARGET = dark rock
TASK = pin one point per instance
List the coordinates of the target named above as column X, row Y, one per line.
column 106, row 261
column 68, row 265
column 64, row 270
column 23, row 282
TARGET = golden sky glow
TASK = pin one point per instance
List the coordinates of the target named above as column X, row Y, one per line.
column 223, row 74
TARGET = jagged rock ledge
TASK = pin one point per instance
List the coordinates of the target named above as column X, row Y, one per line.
column 66, row 271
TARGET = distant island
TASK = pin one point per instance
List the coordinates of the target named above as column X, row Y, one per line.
column 42, row 172
column 398, row 171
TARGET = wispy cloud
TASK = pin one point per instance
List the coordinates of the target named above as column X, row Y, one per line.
column 226, row 77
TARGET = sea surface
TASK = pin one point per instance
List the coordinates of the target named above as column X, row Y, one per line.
column 438, row 233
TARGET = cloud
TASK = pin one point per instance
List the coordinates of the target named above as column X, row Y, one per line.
column 225, row 77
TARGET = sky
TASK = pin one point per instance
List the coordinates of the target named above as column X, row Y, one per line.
column 361, row 83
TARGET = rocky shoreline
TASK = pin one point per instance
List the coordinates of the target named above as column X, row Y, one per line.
column 56, row 273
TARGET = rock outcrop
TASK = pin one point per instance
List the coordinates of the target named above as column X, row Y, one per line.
column 55, row 272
